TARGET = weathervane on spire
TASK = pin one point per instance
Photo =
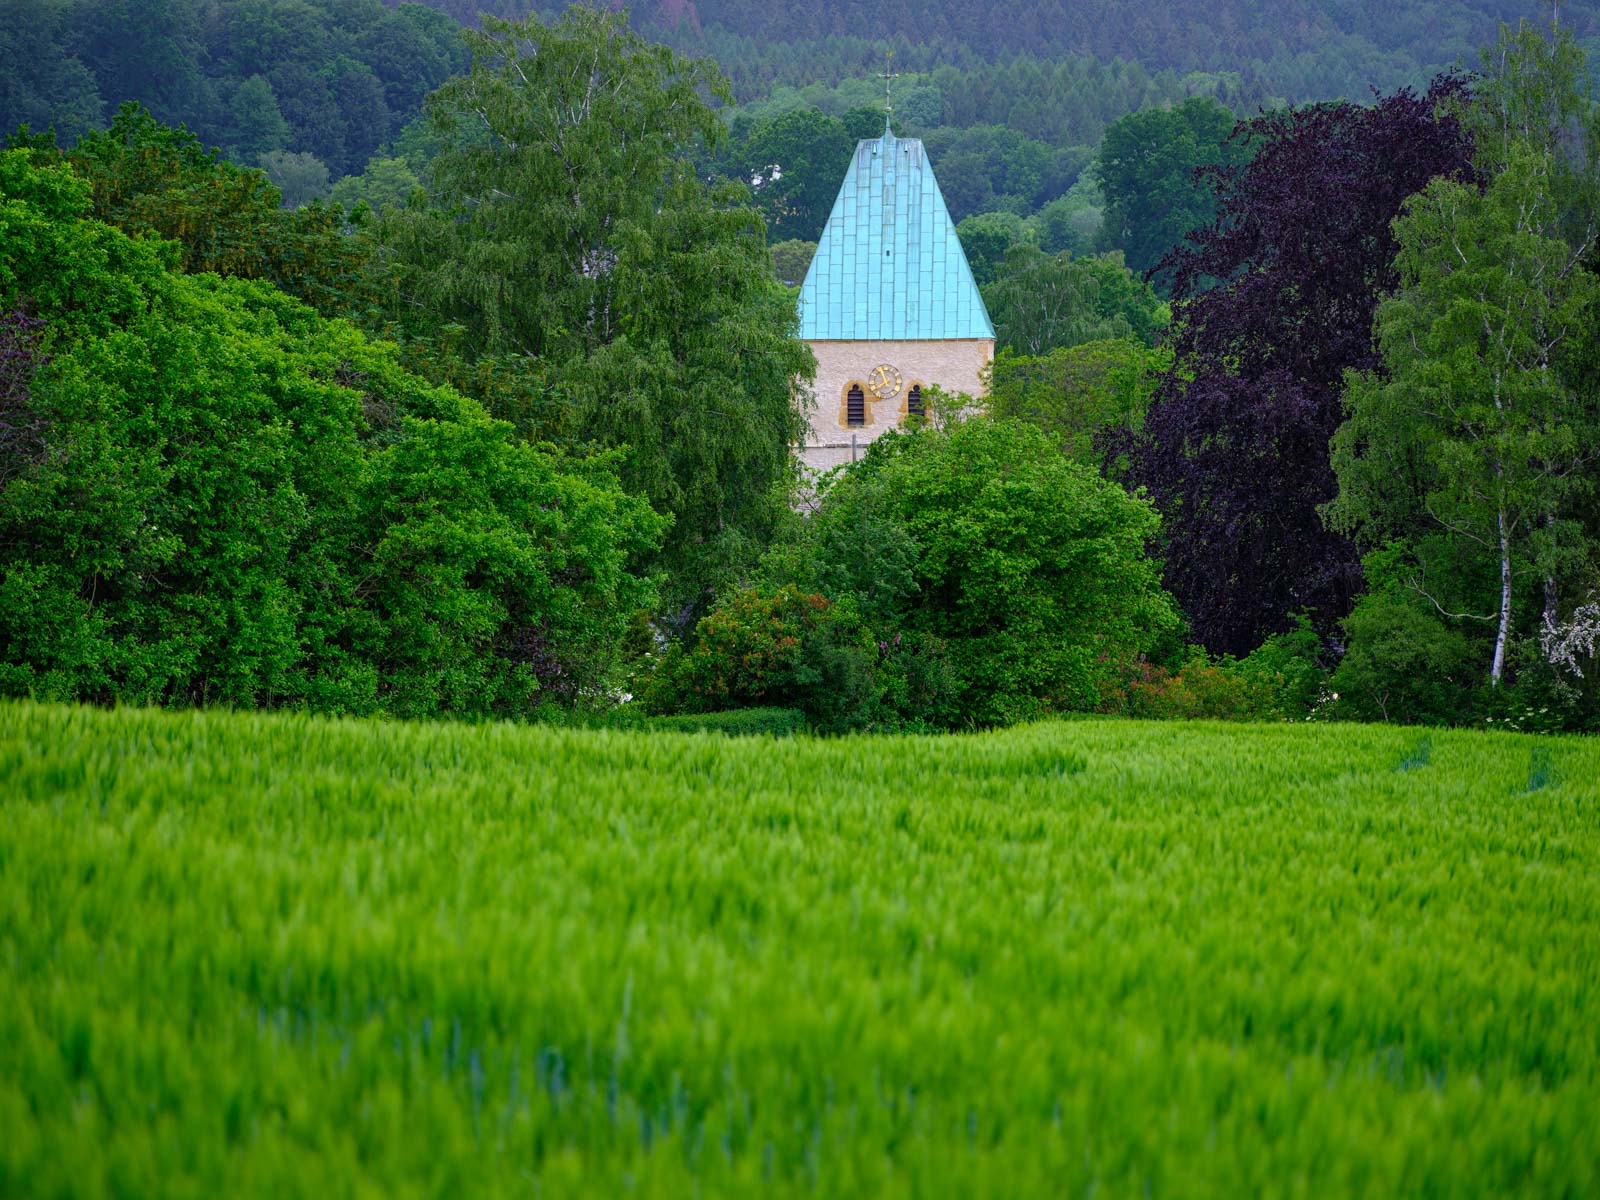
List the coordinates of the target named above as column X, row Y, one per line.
column 889, row 76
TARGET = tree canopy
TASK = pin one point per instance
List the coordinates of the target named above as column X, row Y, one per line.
column 567, row 232
column 1470, row 454
column 1028, row 569
column 1151, row 168
column 211, row 494
column 1234, row 448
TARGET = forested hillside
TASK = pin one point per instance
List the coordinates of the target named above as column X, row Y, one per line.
column 330, row 78
column 1301, row 49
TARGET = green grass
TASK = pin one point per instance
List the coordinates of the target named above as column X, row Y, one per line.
column 266, row 955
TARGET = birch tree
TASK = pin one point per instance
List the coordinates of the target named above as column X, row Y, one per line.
column 1473, row 439
column 566, row 234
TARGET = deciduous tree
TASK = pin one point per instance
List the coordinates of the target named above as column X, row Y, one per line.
column 1275, row 303
column 1147, row 169
column 1473, row 442
column 1028, row 568
column 568, row 229
column 210, row 494
column 1041, row 302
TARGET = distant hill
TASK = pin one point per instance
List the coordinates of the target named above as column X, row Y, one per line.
column 1301, row 48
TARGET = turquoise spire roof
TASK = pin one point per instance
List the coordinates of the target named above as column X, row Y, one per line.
column 889, row 266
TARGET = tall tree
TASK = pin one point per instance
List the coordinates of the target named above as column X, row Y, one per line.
column 148, row 178
column 210, row 494
column 1147, row 170
column 1234, row 449
column 1474, row 442
column 1079, row 394
column 794, row 163
column 1040, row 302
column 568, row 229
column 559, row 137
column 255, row 122
column 366, row 117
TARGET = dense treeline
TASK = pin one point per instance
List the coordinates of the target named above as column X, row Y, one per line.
column 269, row 486
column 211, row 494
column 328, row 79
column 499, row 445
column 1306, row 49
column 1371, row 435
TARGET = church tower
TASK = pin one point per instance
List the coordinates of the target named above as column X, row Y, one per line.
column 889, row 305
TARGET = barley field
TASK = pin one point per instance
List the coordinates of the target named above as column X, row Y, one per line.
column 249, row 955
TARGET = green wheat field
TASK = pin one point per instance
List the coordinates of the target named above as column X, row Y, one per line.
column 248, row 955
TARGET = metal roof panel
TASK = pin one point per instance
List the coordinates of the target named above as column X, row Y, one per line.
column 889, row 266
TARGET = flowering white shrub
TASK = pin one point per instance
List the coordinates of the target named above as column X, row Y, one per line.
column 1566, row 643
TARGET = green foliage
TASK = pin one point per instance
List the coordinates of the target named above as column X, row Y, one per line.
column 1281, row 680
column 1198, row 690
column 785, row 648
column 1041, row 302
column 739, row 722
column 990, row 168
column 546, row 162
column 1475, row 445
column 44, row 85
column 240, row 502
column 255, row 124
column 329, row 78
column 1027, row 568
column 385, row 182
column 1146, row 167
column 1059, row 227
column 1079, row 395
column 1072, row 222
column 301, row 178
column 264, row 955
column 791, row 260
column 1541, row 697
column 1405, row 664
column 572, row 237
column 1061, row 72
column 1288, row 666
column 794, row 163
column 986, row 239
column 148, row 178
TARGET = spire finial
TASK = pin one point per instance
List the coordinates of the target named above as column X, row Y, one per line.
column 889, row 76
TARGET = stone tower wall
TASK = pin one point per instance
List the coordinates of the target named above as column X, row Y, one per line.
column 955, row 366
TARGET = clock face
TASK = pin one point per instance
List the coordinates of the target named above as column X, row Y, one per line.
column 884, row 382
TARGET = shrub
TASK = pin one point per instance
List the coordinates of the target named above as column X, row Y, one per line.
column 1541, row 696
column 1281, row 680
column 1025, row 572
column 1288, row 671
column 1404, row 665
column 786, row 648
column 1198, row 689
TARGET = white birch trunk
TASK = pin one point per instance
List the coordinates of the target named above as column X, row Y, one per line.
column 1504, row 632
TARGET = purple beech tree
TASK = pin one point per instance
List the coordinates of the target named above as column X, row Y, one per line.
column 1275, row 301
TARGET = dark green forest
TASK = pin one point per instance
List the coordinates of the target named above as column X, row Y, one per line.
column 339, row 79
column 1296, row 49
column 326, row 95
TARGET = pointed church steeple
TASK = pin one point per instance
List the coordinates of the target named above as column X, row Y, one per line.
column 889, row 265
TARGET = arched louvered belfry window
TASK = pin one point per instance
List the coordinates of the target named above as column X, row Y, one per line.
column 914, row 403
column 855, row 406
